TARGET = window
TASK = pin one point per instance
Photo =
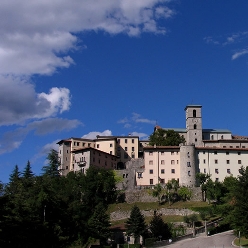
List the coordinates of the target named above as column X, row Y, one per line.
column 194, row 113
column 150, row 162
column 172, row 153
column 83, row 144
column 151, row 181
column 188, row 164
column 125, row 140
column 66, row 167
column 132, row 155
column 231, row 147
column 139, row 174
column 212, row 137
column 111, row 145
column 173, row 171
column 125, row 148
column 217, row 171
column 203, row 152
column 221, row 137
column 228, row 171
column 237, row 146
column 132, row 140
column 195, row 126
column 132, row 148
column 216, row 179
column 151, row 171
column 162, row 161
column 204, row 161
column 110, row 152
column 189, row 173
column 224, row 146
column 118, row 140
column 239, row 161
column 162, row 171
column 215, row 152
column 204, row 170
column 89, row 144
column 177, row 161
column 172, row 161
column 239, row 153
column 66, row 151
column 97, row 146
column 162, row 153
column 228, row 161
column 162, row 180
column 227, row 153
column 150, row 153
column 216, row 161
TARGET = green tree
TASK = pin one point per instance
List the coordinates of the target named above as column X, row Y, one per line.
column 202, row 179
column 239, row 215
column 185, row 193
column 161, row 137
column 135, row 224
column 27, row 173
column 158, row 227
column 52, row 169
column 99, row 224
column 158, row 192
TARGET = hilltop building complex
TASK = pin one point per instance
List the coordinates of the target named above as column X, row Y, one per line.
column 212, row 151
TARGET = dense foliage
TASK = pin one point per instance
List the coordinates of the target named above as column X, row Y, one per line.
column 55, row 211
column 161, row 137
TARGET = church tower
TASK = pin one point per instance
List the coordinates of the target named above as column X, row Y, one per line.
column 194, row 125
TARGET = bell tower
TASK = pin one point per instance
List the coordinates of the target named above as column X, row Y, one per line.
column 194, row 125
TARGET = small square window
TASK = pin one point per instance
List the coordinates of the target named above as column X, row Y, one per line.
column 150, row 162
column 188, row 164
column 239, row 161
column 216, row 161
column 151, row 181
column 227, row 153
column 228, row 161
column 162, row 153
column 162, row 161
column 189, row 174
column 172, row 153
column 172, row 161
column 228, row 171
column 217, row 171
column 237, row 146
column 139, row 174
column 173, row 171
column 231, row 147
column 151, row 171
column 162, row 171
column 216, row 179
column 162, row 181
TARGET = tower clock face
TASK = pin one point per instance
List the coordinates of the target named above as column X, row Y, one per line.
column 194, row 120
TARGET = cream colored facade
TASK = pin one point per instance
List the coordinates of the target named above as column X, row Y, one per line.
column 124, row 148
column 86, row 157
column 212, row 151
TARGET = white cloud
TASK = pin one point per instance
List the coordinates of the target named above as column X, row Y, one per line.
column 19, row 102
column 137, row 118
column 92, row 135
column 239, row 54
column 35, row 37
column 143, row 136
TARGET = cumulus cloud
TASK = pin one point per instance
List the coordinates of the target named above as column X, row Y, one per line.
column 36, row 37
column 13, row 139
column 92, row 135
column 19, row 101
column 239, row 54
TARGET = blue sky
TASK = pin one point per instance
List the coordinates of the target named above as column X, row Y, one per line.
column 115, row 67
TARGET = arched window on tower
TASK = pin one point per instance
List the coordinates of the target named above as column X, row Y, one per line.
column 194, row 113
column 195, row 126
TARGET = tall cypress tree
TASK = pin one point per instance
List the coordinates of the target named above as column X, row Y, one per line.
column 135, row 224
